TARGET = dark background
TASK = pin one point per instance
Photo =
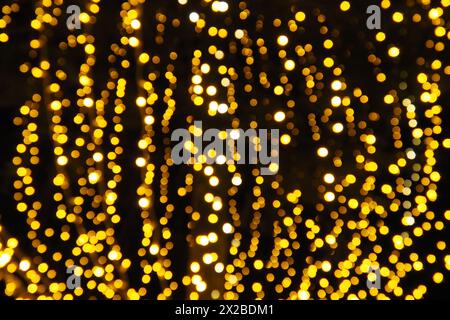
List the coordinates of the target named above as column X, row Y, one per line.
column 352, row 47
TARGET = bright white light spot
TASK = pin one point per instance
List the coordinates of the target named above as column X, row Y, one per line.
column 194, row 17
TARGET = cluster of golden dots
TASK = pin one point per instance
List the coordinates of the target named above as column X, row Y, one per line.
column 360, row 114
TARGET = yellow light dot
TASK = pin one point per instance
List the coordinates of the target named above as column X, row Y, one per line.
column 329, row 196
column 212, row 237
column 338, row 127
column 213, row 218
column 397, row 17
column 141, row 102
column 336, row 85
column 328, row 178
column 195, row 267
column 279, row 116
column 257, row 287
column 326, row 266
column 214, row 181
column 336, row 101
column 447, row 215
column 55, row 105
column 84, row 17
column 211, row 90
column 288, row 221
column 208, row 258
column 353, row 203
column 144, row 203
column 285, row 139
column 89, row 49
column 330, row 239
column 322, row 152
column 37, row 73
column 194, row 17
column 300, row 16
column 219, row 267
column 149, row 120
column 4, row 259
column 388, row 99
column 435, row 13
column 328, row 62
column 141, row 162
column 236, row 180
column 227, row 228
column 417, row 133
column 258, row 264
column 394, row 52
column 239, row 34
column 97, row 157
column 219, row 6
column 282, row 40
column 201, row 287
column 289, row 65
column 278, row 90
column 154, row 249
column 24, row 265
column 4, row 37
column 205, row 68
column 303, row 295
column 222, row 108
column 328, row 44
column 371, row 139
column 380, row 36
column 196, row 79
column 202, row 240
column 438, row 277
column 88, row 102
column 135, row 24
column 94, row 177
column 35, row 24
column 217, row 205
column 144, row 58
column 345, row 6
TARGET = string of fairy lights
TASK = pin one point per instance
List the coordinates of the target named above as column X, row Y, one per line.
column 99, row 117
